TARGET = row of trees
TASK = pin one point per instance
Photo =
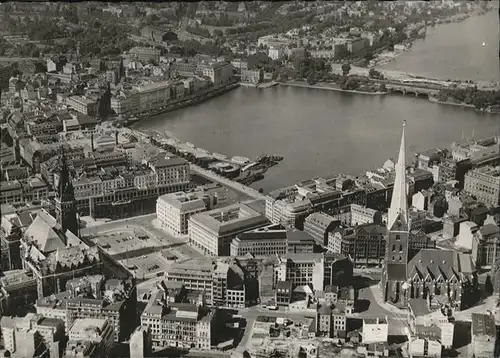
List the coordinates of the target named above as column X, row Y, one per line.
column 471, row 95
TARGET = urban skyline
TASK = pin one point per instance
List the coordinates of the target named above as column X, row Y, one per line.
column 121, row 240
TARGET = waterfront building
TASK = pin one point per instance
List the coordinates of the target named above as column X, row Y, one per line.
column 173, row 210
column 220, row 73
column 82, row 104
column 484, row 335
column 180, row 325
column 154, row 95
column 319, row 225
column 98, row 332
column 145, row 54
column 290, row 206
column 252, row 76
column 484, row 184
column 269, row 240
column 212, row 231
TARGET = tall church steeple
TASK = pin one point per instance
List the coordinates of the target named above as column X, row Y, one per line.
column 395, row 273
column 399, row 204
column 65, row 198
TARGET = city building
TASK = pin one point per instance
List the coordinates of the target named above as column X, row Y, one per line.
column 324, row 321
column 484, row 184
column 362, row 215
column 269, row 240
column 93, row 297
column 213, row 231
column 302, row 270
column 276, row 53
column 299, row 242
column 173, row 210
column 32, row 334
column 484, row 335
column 430, row 321
column 284, row 293
column 98, row 332
column 180, row 325
column 54, row 256
column 145, row 54
column 375, row 330
column 82, row 104
column 252, row 76
column 319, row 225
column 220, row 73
column 140, row 343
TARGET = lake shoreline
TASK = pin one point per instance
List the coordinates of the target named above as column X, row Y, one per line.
column 329, row 88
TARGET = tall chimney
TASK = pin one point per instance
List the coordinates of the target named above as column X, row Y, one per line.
column 92, row 140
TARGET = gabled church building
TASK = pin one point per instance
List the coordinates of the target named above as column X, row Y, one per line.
column 445, row 276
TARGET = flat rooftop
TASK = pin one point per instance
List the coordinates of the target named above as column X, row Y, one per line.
column 483, row 324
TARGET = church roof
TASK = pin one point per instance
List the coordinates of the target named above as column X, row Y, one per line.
column 444, row 263
column 44, row 232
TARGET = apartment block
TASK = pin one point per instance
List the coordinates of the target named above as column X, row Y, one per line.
column 220, row 73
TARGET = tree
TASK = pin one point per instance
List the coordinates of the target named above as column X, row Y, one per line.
column 383, row 87
column 346, row 68
column 369, row 56
column 218, row 33
column 311, row 79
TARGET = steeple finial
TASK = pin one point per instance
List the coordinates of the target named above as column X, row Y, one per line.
column 399, row 201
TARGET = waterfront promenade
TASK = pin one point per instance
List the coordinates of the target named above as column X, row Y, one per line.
column 227, row 182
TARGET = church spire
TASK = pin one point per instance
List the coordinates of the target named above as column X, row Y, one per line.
column 399, row 203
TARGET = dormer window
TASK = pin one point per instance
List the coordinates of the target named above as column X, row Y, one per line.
column 398, row 237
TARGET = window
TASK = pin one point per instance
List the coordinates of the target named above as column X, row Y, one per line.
column 400, row 248
column 394, row 247
column 398, row 237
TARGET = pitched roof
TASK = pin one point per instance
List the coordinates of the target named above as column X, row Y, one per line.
column 43, row 233
column 445, row 263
